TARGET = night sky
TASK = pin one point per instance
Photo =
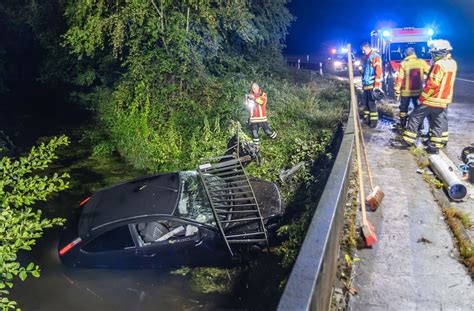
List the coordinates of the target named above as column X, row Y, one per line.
column 322, row 24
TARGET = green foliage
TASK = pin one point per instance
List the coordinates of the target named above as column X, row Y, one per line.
column 213, row 280
column 21, row 223
column 165, row 76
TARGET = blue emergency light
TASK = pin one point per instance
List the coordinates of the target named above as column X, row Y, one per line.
column 344, row 50
column 386, row 33
column 430, row 32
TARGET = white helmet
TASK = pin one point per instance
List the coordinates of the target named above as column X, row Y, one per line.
column 439, row 45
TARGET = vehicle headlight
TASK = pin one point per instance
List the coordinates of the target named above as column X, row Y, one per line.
column 357, row 63
column 337, row 63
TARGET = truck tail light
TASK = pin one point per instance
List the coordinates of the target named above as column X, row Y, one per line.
column 68, row 247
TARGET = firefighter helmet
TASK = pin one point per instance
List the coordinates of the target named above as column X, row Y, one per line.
column 378, row 94
column 439, row 45
column 439, row 48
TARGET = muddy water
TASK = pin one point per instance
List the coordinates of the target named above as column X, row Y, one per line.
column 63, row 288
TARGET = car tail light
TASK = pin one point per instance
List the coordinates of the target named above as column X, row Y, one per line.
column 85, row 201
column 68, row 247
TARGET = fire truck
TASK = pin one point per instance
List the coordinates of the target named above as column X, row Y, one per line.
column 392, row 43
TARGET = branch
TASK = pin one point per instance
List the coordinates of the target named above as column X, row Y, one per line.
column 156, row 8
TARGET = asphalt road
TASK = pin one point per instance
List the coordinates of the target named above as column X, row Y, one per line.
column 414, row 265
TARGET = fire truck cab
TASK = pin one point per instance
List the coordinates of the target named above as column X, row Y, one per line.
column 392, row 43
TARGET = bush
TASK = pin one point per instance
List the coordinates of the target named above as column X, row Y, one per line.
column 21, row 223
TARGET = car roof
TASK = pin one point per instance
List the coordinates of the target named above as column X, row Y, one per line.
column 139, row 198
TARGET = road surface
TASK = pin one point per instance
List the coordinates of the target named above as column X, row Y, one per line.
column 414, row 265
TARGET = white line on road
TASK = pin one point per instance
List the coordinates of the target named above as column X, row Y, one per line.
column 465, row 80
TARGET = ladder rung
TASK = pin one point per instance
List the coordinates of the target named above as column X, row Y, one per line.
column 244, row 235
column 225, row 164
column 230, row 188
column 237, row 212
column 229, row 178
column 229, row 173
column 246, row 241
column 213, row 170
column 241, row 220
column 234, row 200
column 236, row 205
column 232, row 194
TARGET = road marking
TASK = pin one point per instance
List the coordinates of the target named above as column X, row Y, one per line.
column 465, row 80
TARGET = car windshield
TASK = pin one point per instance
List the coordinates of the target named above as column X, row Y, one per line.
column 397, row 50
column 193, row 202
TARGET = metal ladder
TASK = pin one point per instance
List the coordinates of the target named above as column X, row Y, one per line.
column 233, row 200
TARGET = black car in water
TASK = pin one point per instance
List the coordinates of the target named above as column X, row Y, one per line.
column 157, row 221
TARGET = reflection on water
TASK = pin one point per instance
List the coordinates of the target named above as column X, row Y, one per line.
column 64, row 288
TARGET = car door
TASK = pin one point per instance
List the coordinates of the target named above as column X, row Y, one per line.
column 113, row 248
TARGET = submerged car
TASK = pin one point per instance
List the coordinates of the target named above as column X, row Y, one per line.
column 168, row 220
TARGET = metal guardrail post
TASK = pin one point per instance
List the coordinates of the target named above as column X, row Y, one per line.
column 310, row 284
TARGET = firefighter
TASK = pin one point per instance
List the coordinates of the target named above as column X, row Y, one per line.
column 256, row 103
column 409, row 82
column 435, row 98
column 371, row 82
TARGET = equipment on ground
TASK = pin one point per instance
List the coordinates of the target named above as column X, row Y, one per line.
column 467, row 157
column 445, row 171
column 378, row 94
column 367, row 227
column 392, row 43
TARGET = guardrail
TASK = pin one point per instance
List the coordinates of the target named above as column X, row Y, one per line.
column 312, row 278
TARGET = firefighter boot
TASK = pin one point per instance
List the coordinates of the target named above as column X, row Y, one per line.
column 403, row 119
column 400, row 144
column 430, row 149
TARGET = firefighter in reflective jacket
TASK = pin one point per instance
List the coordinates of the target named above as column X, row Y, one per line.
column 371, row 80
column 409, row 82
column 435, row 98
column 256, row 103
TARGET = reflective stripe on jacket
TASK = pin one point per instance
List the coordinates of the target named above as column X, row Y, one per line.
column 258, row 113
column 438, row 91
column 409, row 81
column 372, row 73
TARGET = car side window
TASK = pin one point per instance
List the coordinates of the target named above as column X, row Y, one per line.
column 115, row 239
column 165, row 230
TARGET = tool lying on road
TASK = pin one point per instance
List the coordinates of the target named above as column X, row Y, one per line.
column 367, row 228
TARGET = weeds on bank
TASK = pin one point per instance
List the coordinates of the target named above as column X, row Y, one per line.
column 459, row 222
column 350, row 242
